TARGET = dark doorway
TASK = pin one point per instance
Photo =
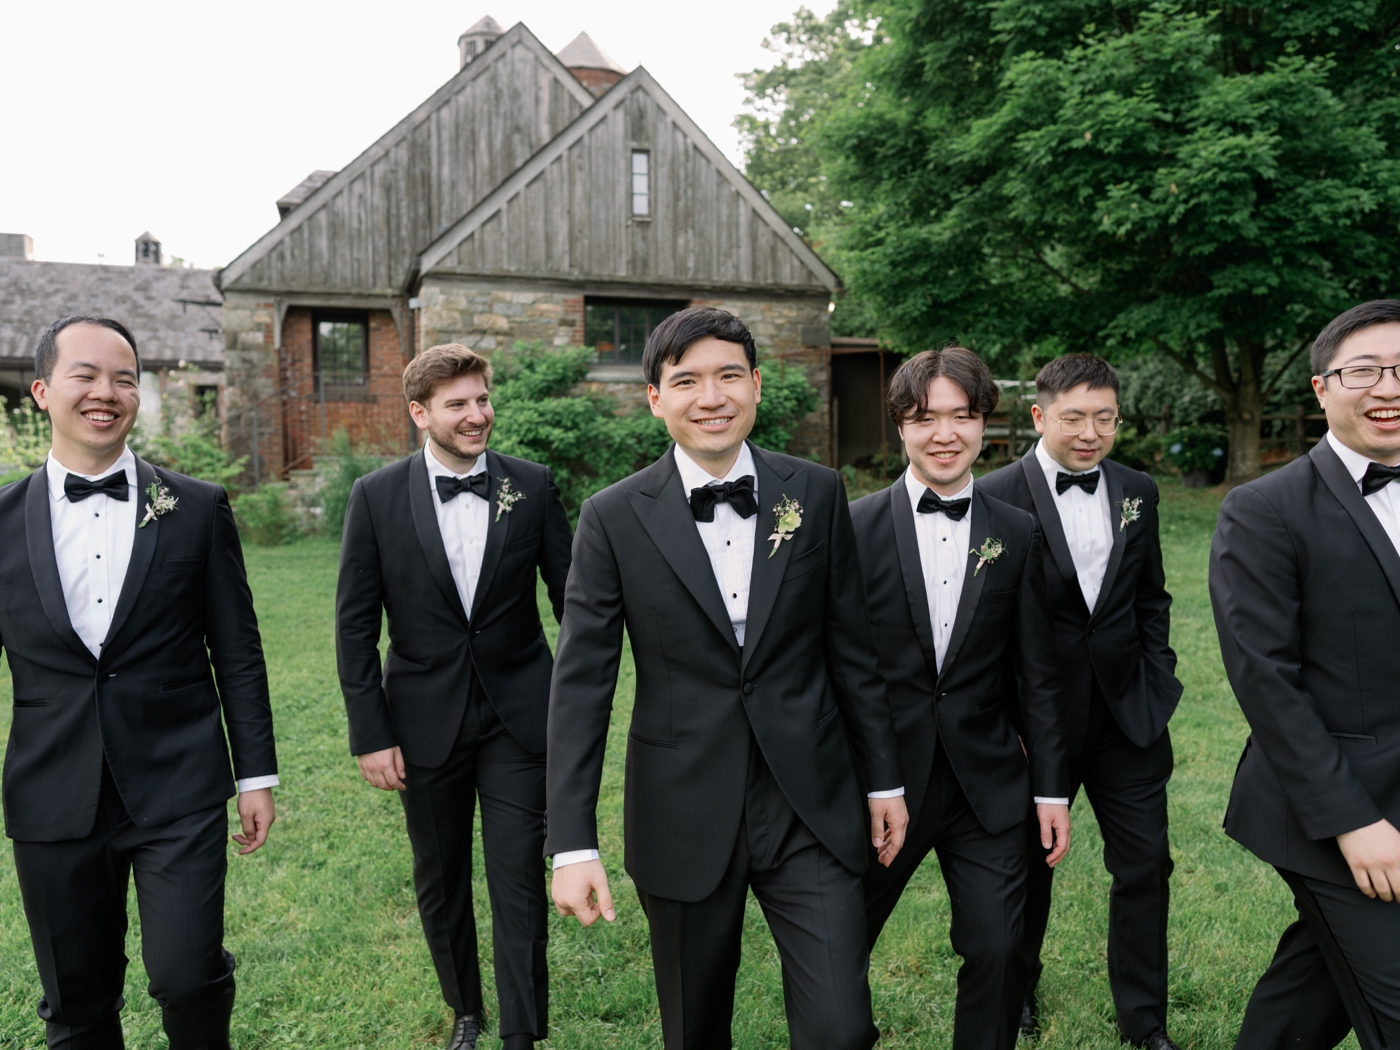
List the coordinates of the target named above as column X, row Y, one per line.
column 859, row 375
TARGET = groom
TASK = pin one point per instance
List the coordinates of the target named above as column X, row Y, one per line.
column 119, row 588
column 759, row 722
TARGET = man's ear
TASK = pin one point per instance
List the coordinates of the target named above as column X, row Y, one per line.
column 40, row 390
column 1319, row 386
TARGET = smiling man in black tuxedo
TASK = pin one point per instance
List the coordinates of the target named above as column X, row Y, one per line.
column 1305, row 582
column 1103, row 572
column 957, row 597
column 447, row 543
column 119, row 587
column 760, row 721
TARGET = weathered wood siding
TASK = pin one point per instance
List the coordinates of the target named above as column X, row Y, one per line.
column 361, row 232
column 573, row 218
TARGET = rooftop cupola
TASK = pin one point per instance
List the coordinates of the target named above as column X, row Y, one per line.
column 147, row 250
column 478, row 38
column 591, row 66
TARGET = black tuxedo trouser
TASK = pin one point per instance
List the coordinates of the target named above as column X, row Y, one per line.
column 438, row 804
column 986, row 879
column 814, row 910
column 75, row 900
column 1127, row 786
column 1335, row 969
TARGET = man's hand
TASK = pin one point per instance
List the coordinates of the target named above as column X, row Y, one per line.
column 575, row 887
column 889, row 819
column 1373, row 854
column 1054, row 830
column 255, row 813
column 384, row 769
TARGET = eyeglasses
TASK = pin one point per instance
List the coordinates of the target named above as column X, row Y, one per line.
column 1359, row 377
column 1071, row 426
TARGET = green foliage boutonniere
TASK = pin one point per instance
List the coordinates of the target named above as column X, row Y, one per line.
column 789, row 519
column 506, row 498
column 1132, row 510
column 989, row 552
column 161, row 502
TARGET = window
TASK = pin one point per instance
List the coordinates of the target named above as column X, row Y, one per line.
column 618, row 328
column 341, row 354
column 641, row 183
column 206, row 401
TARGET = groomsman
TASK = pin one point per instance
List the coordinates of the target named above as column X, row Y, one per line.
column 1111, row 612
column 132, row 643
column 1305, row 582
column 957, row 599
column 447, row 543
column 759, row 720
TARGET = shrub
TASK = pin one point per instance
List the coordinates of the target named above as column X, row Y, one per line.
column 265, row 516
column 1198, row 447
column 25, row 437
column 193, row 447
column 351, row 465
column 1137, row 449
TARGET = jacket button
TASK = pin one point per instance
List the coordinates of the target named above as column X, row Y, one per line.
column 748, row 689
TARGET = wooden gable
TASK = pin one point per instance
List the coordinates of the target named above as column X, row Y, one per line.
column 567, row 213
column 361, row 232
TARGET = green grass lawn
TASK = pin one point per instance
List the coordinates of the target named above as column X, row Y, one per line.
column 331, row 954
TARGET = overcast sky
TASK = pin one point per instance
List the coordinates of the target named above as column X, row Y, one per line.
column 191, row 119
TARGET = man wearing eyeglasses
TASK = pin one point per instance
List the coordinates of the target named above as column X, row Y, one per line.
column 1305, row 583
column 1111, row 611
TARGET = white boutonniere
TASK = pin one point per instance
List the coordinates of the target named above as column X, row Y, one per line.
column 788, row 514
column 506, row 498
column 1132, row 510
column 161, row 502
column 989, row 552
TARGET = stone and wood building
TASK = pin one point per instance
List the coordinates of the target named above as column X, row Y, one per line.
column 533, row 197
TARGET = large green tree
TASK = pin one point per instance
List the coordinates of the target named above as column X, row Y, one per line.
column 1031, row 176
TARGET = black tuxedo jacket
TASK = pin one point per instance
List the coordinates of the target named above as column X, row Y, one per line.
column 150, row 703
column 1305, row 584
column 804, row 685
column 1124, row 642
column 393, row 561
column 1000, row 673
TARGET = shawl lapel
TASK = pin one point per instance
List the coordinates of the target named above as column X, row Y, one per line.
column 43, row 563
column 973, row 581
column 664, row 511
column 1116, row 495
column 774, row 484
column 911, row 567
column 1337, row 478
column 143, row 552
column 1048, row 511
column 497, row 528
column 425, row 524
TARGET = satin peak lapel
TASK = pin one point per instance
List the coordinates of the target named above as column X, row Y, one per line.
column 1048, row 511
column 767, row 575
column 420, row 502
column 143, row 551
column 497, row 528
column 1337, row 478
column 43, row 563
column 1116, row 495
column 911, row 567
column 973, row 581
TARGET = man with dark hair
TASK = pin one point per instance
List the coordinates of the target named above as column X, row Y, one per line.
column 446, row 543
column 957, row 599
column 759, row 723
column 1111, row 613
column 1305, row 584
column 132, row 641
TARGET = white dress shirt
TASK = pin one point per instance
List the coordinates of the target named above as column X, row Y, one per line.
column 1087, row 524
column 1384, row 502
column 92, row 543
column 462, row 521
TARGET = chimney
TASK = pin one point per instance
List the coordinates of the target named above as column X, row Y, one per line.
column 16, row 246
column 477, row 39
column 591, row 65
column 147, row 250
column 298, row 193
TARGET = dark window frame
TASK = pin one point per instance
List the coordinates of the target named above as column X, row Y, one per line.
column 657, row 309
column 342, row 387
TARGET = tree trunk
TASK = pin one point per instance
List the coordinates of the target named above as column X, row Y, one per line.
column 1243, row 415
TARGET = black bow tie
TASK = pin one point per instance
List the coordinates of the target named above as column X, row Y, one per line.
column 1088, row 482
column 1377, row 477
column 450, row 488
column 738, row 494
column 78, row 489
column 932, row 503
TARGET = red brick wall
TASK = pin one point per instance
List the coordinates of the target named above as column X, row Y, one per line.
column 377, row 421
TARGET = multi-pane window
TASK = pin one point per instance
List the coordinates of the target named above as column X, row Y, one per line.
column 641, row 182
column 341, row 353
column 618, row 328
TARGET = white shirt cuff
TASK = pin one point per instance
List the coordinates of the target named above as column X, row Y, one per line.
column 574, row 856
column 895, row 793
column 257, row 783
column 1040, row 800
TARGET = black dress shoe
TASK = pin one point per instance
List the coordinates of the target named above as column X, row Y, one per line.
column 1030, row 1018
column 465, row 1032
column 1158, row 1040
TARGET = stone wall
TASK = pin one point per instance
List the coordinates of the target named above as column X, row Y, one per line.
column 252, row 402
column 488, row 318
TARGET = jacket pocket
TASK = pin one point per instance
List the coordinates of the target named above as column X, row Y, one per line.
column 997, row 597
column 648, row 740
column 183, row 683
column 825, row 719
column 30, row 702
column 1365, row 738
column 522, row 544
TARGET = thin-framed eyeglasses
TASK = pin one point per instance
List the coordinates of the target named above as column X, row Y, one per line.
column 1360, row 377
column 1072, row 425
